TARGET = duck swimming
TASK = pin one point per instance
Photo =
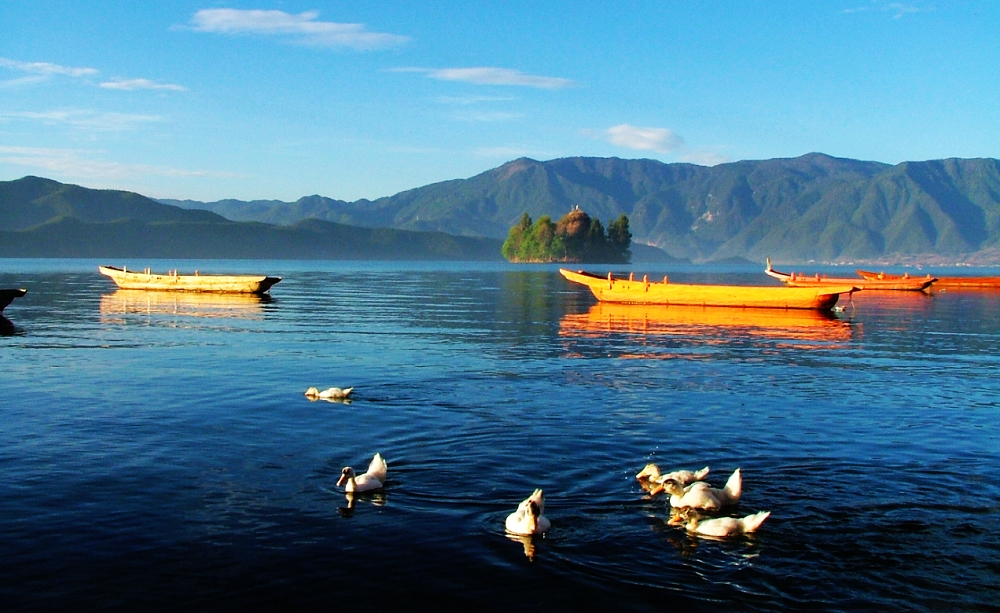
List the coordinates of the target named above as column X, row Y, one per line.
column 700, row 495
column 373, row 478
column 528, row 518
column 650, row 478
column 723, row 527
column 331, row 393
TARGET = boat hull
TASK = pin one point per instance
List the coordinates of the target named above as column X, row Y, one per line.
column 942, row 282
column 627, row 291
column 8, row 295
column 229, row 284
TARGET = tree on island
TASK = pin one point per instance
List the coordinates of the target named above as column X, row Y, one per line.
column 577, row 237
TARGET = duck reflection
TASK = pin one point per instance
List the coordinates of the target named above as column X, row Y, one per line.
column 527, row 542
column 7, row 327
column 192, row 304
column 606, row 318
column 376, row 498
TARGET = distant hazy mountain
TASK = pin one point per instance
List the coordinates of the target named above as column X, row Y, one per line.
column 810, row 207
column 44, row 218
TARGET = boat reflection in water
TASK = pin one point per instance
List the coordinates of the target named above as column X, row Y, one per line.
column 803, row 327
column 192, row 304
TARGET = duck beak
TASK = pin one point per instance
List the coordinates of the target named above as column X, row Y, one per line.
column 341, row 480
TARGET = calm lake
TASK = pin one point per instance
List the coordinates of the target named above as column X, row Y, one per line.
column 157, row 452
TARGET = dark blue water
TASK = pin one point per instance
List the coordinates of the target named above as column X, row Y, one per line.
column 157, row 452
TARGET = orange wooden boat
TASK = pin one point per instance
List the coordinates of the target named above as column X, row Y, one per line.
column 800, row 280
column 941, row 282
column 609, row 289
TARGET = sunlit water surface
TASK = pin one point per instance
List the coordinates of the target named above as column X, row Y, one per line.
column 157, row 452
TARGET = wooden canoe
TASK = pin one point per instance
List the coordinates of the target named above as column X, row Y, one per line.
column 8, row 295
column 950, row 282
column 800, row 280
column 234, row 284
column 630, row 291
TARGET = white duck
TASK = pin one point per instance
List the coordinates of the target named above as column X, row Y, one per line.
column 649, row 477
column 331, row 393
column 371, row 480
column 528, row 518
column 723, row 527
column 700, row 495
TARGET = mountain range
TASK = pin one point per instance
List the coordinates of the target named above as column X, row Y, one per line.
column 43, row 218
column 813, row 207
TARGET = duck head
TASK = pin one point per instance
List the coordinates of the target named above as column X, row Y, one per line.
column 312, row 392
column 346, row 476
column 650, row 471
column 672, row 487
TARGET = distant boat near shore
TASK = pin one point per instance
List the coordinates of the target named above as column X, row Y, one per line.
column 901, row 284
column 172, row 281
column 942, row 282
column 8, row 295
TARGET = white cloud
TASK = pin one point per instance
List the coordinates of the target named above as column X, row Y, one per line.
column 661, row 140
column 898, row 9
column 84, row 164
column 44, row 68
column 492, row 76
column 133, row 84
column 84, row 119
column 302, row 28
column 467, row 100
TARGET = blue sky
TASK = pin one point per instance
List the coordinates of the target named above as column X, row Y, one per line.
column 282, row 99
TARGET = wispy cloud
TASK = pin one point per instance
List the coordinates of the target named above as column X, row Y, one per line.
column 898, row 9
column 83, row 119
column 302, row 28
column 492, row 76
column 661, row 140
column 132, row 84
column 44, row 68
column 85, row 164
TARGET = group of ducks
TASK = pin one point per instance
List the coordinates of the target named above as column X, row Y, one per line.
column 690, row 499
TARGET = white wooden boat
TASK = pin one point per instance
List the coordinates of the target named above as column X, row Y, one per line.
column 172, row 281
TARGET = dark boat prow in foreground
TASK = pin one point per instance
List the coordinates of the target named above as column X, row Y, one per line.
column 8, row 295
column 230, row 284
column 630, row 291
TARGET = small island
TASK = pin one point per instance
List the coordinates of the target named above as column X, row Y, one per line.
column 577, row 237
